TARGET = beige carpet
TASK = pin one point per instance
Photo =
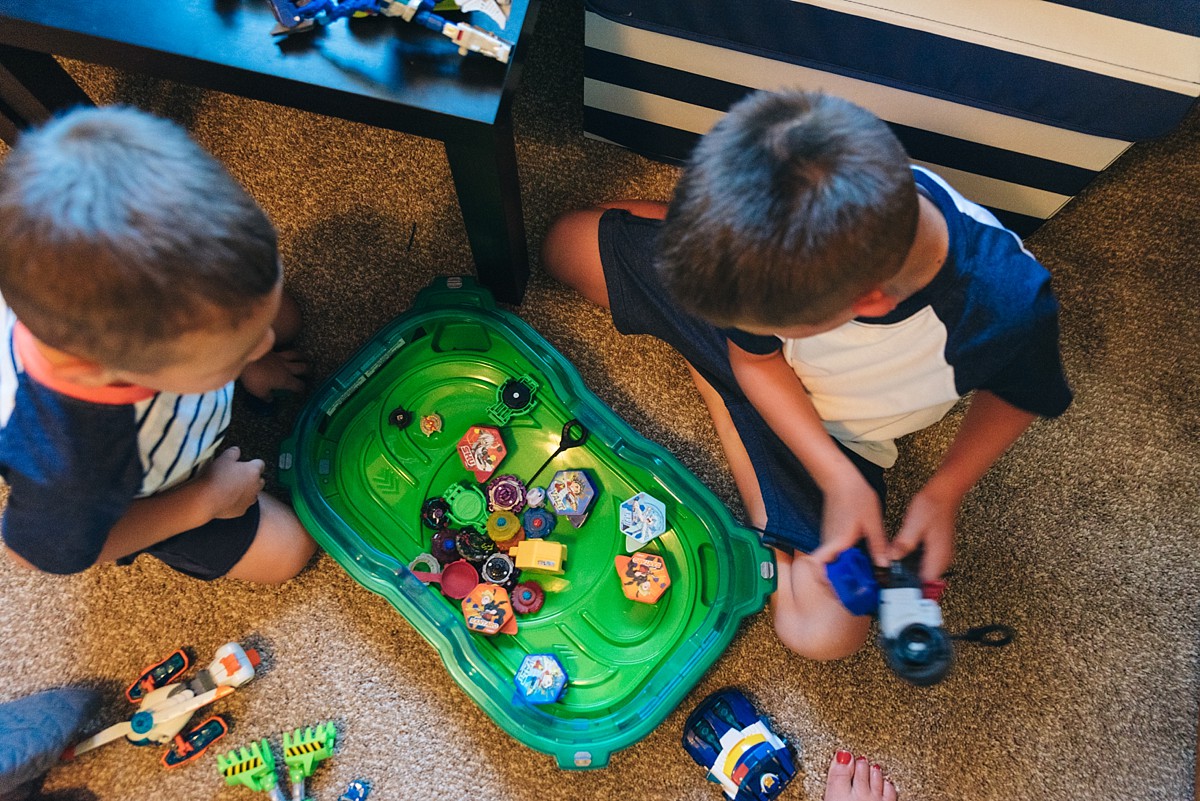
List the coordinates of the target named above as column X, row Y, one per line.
column 1084, row 537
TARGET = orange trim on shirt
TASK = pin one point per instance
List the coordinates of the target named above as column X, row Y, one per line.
column 40, row 370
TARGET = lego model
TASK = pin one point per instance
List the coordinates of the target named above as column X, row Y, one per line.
column 294, row 18
column 726, row 735
column 165, row 708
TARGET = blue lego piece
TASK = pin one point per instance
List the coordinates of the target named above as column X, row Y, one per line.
column 853, row 578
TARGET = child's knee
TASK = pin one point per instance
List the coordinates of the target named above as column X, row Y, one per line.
column 570, row 250
column 819, row 636
column 281, row 547
column 288, row 321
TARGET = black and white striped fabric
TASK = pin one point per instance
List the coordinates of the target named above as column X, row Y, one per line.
column 1019, row 104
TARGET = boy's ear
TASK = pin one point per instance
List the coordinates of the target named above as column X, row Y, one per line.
column 875, row 303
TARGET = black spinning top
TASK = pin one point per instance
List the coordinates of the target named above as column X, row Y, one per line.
column 515, row 395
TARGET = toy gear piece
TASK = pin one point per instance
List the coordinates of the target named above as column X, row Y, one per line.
column 514, row 397
column 538, row 523
column 444, row 547
column 499, row 569
column 528, row 597
column 435, row 513
column 474, row 546
column 505, row 493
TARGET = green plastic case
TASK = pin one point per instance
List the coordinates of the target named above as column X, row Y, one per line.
column 358, row 482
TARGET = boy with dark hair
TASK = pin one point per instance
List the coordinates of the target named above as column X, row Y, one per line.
column 138, row 281
column 828, row 297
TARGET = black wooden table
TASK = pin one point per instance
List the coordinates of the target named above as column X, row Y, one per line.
column 379, row 71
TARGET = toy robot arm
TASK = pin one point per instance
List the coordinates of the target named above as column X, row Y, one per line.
column 113, row 732
column 477, row 40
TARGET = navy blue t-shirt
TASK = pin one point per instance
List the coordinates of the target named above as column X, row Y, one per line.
column 74, row 466
column 988, row 320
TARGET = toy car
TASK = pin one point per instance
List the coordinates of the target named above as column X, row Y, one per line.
column 726, row 735
column 914, row 644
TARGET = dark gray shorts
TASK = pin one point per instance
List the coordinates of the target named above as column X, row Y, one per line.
column 209, row 551
column 628, row 247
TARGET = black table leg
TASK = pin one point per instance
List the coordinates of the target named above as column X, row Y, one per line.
column 483, row 162
column 32, row 87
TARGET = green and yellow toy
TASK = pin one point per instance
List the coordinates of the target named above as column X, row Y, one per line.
column 303, row 750
column 251, row 766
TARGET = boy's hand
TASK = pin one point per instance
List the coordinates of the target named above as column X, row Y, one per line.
column 989, row 427
column 233, row 485
column 852, row 512
column 929, row 521
column 280, row 369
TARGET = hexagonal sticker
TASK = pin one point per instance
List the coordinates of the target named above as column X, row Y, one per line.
column 644, row 576
column 481, row 450
column 643, row 517
column 571, row 493
column 540, row 679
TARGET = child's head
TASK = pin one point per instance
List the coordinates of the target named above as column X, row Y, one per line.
column 124, row 243
column 791, row 208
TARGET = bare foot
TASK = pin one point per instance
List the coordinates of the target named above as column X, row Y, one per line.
column 853, row 779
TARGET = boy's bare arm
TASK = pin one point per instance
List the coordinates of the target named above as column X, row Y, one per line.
column 226, row 489
column 148, row 521
column 990, row 426
column 851, row 508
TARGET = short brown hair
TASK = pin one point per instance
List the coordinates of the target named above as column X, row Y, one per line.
column 118, row 233
column 791, row 208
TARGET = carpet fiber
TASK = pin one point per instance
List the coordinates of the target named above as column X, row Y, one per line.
column 1083, row 537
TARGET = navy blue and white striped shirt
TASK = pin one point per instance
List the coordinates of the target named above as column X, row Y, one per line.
column 73, row 465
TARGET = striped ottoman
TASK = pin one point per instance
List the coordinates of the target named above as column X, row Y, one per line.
column 1019, row 103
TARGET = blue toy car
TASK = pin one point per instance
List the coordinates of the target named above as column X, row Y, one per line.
column 726, row 735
